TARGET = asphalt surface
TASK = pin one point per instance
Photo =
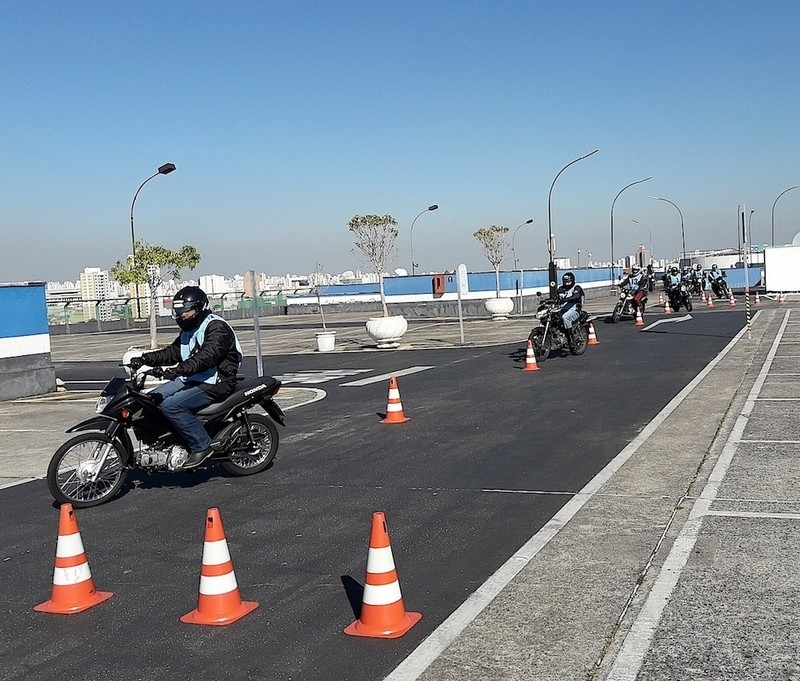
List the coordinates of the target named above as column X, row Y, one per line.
column 675, row 561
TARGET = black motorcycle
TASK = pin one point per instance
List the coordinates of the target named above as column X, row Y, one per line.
column 720, row 286
column 625, row 306
column 90, row 468
column 680, row 297
column 553, row 335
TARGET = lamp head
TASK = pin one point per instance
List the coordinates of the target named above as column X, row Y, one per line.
column 166, row 169
column 433, row 207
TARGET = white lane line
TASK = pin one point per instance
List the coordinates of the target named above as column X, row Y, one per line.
column 638, row 640
column 771, row 442
column 386, row 377
column 778, row 399
column 755, row 514
column 424, row 655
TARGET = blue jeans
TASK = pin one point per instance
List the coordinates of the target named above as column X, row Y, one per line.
column 570, row 316
column 179, row 406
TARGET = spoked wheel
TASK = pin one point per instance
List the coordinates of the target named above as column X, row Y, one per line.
column 580, row 339
column 540, row 343
column 251, row 452
column 86, row 470
column 689, row 305
column 616, row 313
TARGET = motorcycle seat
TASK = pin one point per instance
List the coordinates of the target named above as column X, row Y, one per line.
column 248, row 388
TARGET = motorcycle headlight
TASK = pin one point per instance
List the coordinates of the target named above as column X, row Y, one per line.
column 541, row 314
column 102, row 403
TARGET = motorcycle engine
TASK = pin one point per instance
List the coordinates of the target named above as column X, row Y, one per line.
column 171, row 458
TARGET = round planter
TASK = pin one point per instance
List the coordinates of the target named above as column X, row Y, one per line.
column 499, row 307
column 326, row 340
column 387, row 331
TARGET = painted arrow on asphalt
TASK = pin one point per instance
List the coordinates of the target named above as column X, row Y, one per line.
column 685, row 318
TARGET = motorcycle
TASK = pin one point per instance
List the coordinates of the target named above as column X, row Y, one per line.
column 551, row 334
column 680, row 296
column 625, row 306
column 720, row 286
column 90, row 468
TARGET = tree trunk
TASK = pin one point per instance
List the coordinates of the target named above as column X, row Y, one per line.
column 496, row 282
column 383, row 295
column 153, row 328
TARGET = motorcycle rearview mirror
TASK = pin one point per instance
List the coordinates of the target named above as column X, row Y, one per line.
column 538, row 294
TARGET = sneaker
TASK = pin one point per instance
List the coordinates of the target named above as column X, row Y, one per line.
column 196, row 458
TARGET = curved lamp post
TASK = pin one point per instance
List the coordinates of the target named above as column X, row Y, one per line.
column 165, row 169
column 411, row 235
column 683, row 234
column 651, row 237
column 644, row 179
column 551, row 267
column 513, row 252
column 797, row 186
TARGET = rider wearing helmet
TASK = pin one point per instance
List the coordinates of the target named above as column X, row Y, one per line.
column 671, row 284
column 571, row 296
column 206, row 355
column 637, row 280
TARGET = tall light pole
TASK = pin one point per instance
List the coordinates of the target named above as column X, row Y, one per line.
column 411, row 235
column 683, row 234
column 797, row 186
column 651, row 238
column 165, row 169
column 627, row 186
column 551, row 267
column 513, row 252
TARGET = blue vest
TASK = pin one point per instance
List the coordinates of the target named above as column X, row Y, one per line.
column 191, row 340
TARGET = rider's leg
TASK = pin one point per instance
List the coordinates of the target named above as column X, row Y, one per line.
column 180, row 407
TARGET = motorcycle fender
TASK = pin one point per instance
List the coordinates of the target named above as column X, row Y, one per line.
column 102, row 423
column 274, row 411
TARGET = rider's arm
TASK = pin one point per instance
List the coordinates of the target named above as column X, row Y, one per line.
column 165, row 356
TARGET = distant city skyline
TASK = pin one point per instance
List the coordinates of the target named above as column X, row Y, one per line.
column 286, row 119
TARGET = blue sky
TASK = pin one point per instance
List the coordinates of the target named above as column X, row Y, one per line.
column 285, row 119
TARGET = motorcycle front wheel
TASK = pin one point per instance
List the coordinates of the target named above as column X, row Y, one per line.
column 615, row 315
column 540, row 343
column 689, row 305
column 580, row 339
column 79, row 475
column 250, row 456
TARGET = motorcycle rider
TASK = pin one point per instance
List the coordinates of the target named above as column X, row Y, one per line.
column 206, row 355
column 571, row 297
column 671, row 284
column 714, row 279
column 637, row 281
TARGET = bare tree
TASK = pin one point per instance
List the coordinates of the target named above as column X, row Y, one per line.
column 375, row 237
column 494, row 246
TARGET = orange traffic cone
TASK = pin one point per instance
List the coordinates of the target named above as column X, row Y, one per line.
column 394, row 407
column 639, row 321
column 781, row 298
column 383, row 614
column 758, row 299
column 530, row 359
column 710, row 300
column 667, row 308
column 218, row 602
column 703, row 296
column 731, row 299
column 660, row 298
column 73, row 586
column 592, row 336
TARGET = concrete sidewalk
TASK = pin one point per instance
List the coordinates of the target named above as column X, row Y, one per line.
column 678, row 561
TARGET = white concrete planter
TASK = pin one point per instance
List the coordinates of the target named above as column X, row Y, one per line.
column 387, row 331
column 499, row 307
column 326, row 341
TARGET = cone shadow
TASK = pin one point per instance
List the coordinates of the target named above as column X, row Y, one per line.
column 355, row 594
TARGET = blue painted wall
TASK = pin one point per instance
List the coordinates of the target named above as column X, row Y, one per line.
column 23, row 310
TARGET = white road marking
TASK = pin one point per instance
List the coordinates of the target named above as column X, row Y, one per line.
column 386, row 377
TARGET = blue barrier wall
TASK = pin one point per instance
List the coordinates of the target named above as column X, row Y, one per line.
column 25, row 364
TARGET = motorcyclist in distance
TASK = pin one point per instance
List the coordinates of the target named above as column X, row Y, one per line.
column 714, row 276
column 571, row 297
column 637, row 281
column 671, row 284
column 206, row 355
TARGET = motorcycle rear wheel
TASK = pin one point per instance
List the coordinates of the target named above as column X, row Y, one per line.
column 580, row 339
column 540, row 343
column 244, row 458
column 75, row 463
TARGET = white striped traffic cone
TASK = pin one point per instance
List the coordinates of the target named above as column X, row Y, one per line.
column 394, row 407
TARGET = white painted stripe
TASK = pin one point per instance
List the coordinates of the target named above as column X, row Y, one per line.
column 424, row 655
column 755, row 514
column 778, row 399
column 386, row 377
column 394, row 407
column 69, row 545
column 21, row 346
column 772, row 442
column 71, row 575
column 385, row 594
column 216, row 586
column 380, row 560
column 215, row 552
column 637, row 642
column 394, row 394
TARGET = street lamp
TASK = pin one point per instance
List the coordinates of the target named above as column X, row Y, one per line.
column 797, row 186
column 644, row 179
column 513, row 252
column 651, row 238
column 683, row 234
column 411, row 234
column 551, row 267
column 165, row 169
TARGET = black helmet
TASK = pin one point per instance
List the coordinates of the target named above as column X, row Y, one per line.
column 187, row 299
column 568, row 280
column 673, row 270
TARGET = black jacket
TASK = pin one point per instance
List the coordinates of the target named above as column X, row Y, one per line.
column 218, row 350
